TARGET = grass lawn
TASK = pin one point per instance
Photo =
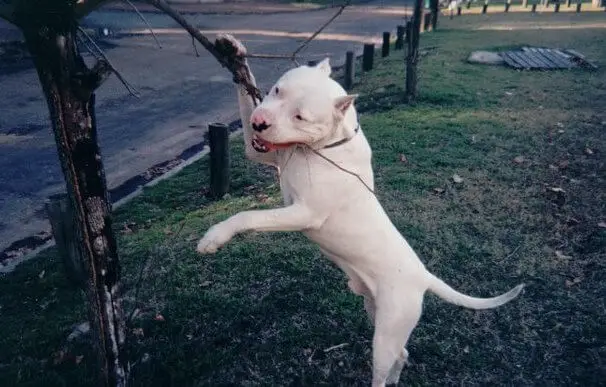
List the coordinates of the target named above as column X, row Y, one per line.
column 529, row 147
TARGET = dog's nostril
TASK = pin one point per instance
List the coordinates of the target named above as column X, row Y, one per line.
column 260, row 127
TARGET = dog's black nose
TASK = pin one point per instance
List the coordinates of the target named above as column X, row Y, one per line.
column 260, row 127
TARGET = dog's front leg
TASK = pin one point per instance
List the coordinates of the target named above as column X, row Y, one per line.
column 296, row 217
column 246, row 102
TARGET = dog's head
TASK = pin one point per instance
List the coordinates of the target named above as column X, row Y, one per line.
column 305, row 106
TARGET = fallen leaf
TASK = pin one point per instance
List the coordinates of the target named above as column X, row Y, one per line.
column 563, row 164
column 79, row 358
column 466, row 349
column 438, row 190
column 138, row 332
column 403, row 158
column 559, row 124
column 553, row 167
column 159, row 317
column 206, row 284
column 509, row 93
column 168, row 231
column 561, row 255
column 602, row 224
column 41, row 275
column 556, row 189
column 189, row 337
column 575, row 281
column 588, row 151
column 519, row 159
column 457, row 179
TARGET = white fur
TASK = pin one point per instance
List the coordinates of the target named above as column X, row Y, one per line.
column 337, row 211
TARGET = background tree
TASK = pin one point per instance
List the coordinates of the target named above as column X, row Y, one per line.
column 50, row 29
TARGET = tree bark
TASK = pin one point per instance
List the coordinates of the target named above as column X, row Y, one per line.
column 413, row 52
column 49, row 28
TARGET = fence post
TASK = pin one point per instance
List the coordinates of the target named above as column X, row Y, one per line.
column 579, row 6
column 434, row 13
column 349, row 70
column 368, row 57
column 568, row 3
column 400, row 32
column 459, row 10
column 468, row 4
column 385, row 46
column 427, row 21
column 525, row 3
column 534, row 8
column 485, row 6
column 556, row 8
column 218, row 138
column 507, row 5
column 61, row 217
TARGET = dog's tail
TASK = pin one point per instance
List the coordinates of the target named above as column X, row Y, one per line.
column 441, row 289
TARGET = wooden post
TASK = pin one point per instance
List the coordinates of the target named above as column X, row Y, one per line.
column 534, row 8
column 413, row 32
column 579, row 6
column 61, row 217
column 368, row 56
column 218, row 138
column 349, row 70
column 434, row 13
column 400, row 32
column 385, row 46
column 427, row 21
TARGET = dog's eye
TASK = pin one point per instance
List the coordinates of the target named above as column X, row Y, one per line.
column 299, row 117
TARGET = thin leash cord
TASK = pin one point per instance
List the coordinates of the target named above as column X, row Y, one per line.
column 342, row 169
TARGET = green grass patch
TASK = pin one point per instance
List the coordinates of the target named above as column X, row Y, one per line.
column 262, row 310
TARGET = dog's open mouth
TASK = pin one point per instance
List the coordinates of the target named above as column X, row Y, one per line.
column 264, row 146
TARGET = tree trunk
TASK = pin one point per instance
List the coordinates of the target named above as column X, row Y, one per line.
column 413, row 52
column 49, row 28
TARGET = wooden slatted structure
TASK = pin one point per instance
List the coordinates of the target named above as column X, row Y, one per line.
column 534, row 58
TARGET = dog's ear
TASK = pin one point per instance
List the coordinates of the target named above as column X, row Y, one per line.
column 343, row 103
column 324, row 66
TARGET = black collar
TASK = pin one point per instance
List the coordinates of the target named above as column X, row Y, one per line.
column 343, row 141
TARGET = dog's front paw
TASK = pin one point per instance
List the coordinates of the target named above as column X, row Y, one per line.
column 215, row 237
column 231, row 44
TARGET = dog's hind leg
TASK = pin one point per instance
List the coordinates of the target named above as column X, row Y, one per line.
column 394, row 321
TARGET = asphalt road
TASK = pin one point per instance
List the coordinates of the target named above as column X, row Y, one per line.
column 180, row 95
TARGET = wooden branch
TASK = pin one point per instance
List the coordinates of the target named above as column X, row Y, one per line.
column 99, row 73
column 225, row 55
column 131, row 89
column 85, row 7
column 149, row 27
column 313, row 36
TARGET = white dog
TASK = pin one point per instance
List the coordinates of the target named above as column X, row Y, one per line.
column 307, row 128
